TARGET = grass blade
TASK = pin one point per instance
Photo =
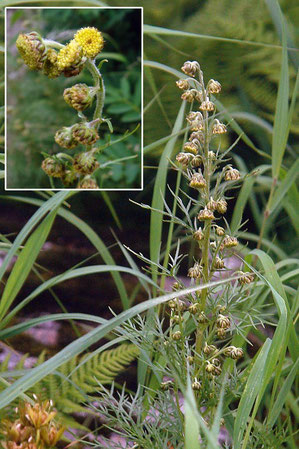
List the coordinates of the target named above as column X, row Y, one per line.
column 281, row 121
column 249, row 394
column 191, row 423
column 52, row 203
column 281, row 398
column 156, row 222
column 84, row 271
column 24, row 263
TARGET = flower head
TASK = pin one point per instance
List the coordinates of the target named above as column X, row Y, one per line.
column 85, row 163
column 32, row 49
column 91, row 41
column 70, row 56
column 88, row 183
column 53, row 167
column 78, row 96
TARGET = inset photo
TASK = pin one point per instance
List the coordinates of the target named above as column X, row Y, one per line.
column 73, row 98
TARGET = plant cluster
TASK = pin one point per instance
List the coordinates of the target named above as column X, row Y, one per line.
column 193, row 337
column 40, row 54
column 34, row 427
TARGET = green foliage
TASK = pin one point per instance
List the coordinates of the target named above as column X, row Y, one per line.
column 125, row 100
column 78, row 380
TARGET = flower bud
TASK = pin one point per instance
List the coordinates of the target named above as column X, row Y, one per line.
column 69, row 178
column 53, row 167
column 183, row 158
column 196, row 385
column 221, row 333
column 212, row 204
column 64, row 138
column 219, row 264
column 79, row 96
column 221, row 206
column 198, row 235
column 177, row 335
column 209, row 349
column 196, row 135
column 176, row 286
column 207, row 105
column 214, row 87
column 218, row 128
column 189, row 95
column 85, row 163
column 32, row 50
column 196, row 161
column 211, row 155
column 88, row 183
column 219, row 231
column 213, row 244
column 84, row 133
column 194, row 115
column 194, row 308
column 190, row 68
column 197, row 181
column 233, row 352
column 205, row 215
column 191, row 147
column 202, row 318
column 232, row 175
column 195, row 272
column 195, row 120
column 246, row 278
column 182, row 84
column 209, row 367
column 223, row 322
column 177, row 319
column 229, row 242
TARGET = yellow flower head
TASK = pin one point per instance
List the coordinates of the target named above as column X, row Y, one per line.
column 69, row 56
column 91, row 40
column 31, row 49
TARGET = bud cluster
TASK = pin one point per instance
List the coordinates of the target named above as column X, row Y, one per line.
column 198, row 161
column 69, row 61
column 39, row 54
column 34, row 427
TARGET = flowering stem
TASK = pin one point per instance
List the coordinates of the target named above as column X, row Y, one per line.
column 207, row 226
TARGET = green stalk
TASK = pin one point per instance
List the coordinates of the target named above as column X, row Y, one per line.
column 100, row 90
column 207, row 226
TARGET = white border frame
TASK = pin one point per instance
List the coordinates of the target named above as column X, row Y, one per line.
column 5, row 97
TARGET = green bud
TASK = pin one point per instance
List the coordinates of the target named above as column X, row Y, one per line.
column 85, row 134
column 53, row 167
column 64, row 138
column 79, row 96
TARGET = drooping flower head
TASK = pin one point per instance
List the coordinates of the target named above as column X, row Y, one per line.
column 91, row 41
column 32, row 49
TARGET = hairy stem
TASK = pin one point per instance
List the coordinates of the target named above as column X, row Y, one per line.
column 100, row 90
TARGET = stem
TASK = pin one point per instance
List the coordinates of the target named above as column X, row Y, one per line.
column 100, row 90
column 207, row 227
column 53, row 44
